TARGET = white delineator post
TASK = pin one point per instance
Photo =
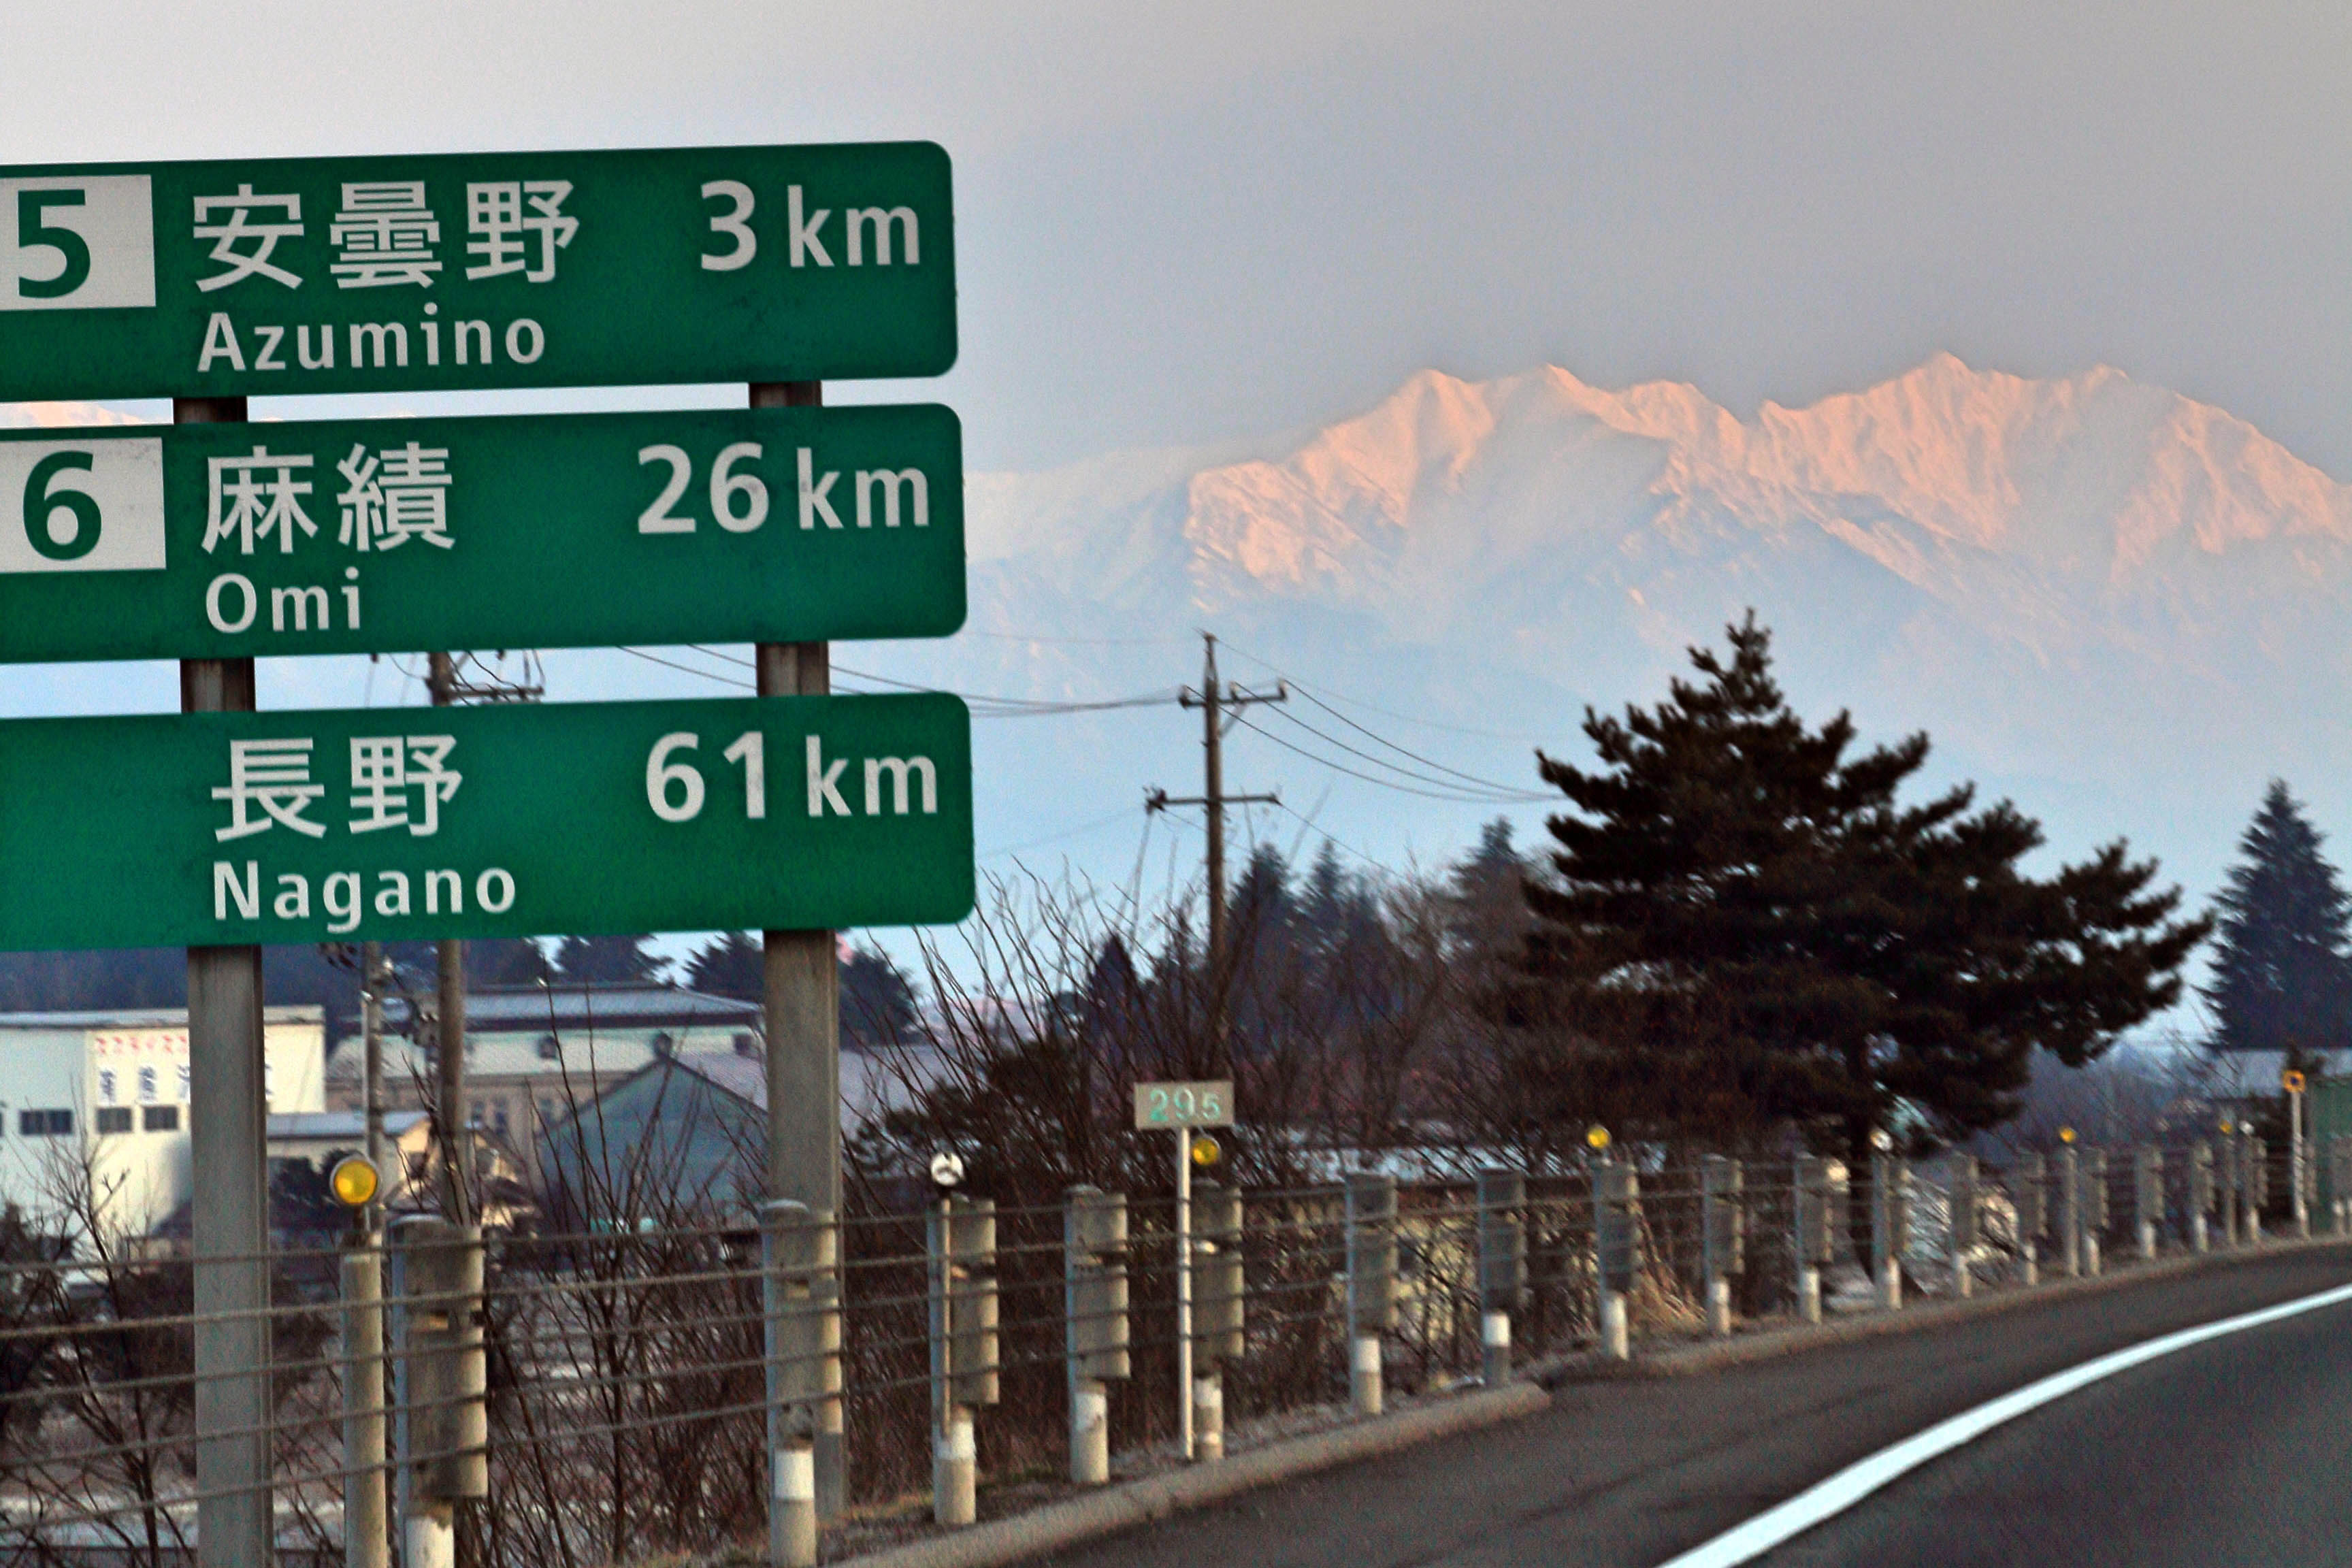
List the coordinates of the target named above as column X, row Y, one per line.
column 2148, row 1199
column 1094, row 1299
column 1371, row 1283
column 1813, row 1232
column 1961, row 1200
column 2201, row 1195
column 1615, row 1189
column 1502, row 1268
column 1723, row 1230
column 1220, row 1310
column 798, row 1261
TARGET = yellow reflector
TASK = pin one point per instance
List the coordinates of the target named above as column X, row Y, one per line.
column 1205, row 1151
column 1597, row 1135
column 354, row 1181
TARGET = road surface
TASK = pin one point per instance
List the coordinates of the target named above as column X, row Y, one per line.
column 2229, row 1452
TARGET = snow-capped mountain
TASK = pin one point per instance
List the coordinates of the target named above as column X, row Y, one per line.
column 2124, row 607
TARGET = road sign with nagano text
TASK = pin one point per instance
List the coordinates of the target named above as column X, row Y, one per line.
column 559, row 530
column 393, row 823
column 389, row 274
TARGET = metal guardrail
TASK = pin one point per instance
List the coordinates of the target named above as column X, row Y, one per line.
column 588, row 1398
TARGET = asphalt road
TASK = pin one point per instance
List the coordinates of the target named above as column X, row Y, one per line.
column 2231, row 1452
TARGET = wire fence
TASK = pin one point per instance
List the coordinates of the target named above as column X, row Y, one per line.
column 631, row 1377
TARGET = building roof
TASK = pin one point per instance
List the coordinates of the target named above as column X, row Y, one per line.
column 570, row 1005
column 871, row 1082
column 147, row 1018
column 342, row 1124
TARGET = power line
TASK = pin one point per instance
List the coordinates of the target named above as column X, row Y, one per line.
column 1487, row 784
column 1456, row 797
column 1391, row 713
column 990, row 706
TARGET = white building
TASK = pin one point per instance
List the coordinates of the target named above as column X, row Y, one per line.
column 107, row 1093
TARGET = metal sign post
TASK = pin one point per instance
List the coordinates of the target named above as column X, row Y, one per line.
column 1182, row 1108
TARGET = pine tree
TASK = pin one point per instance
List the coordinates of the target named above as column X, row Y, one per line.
column 1759, row 931
column 608, row 960
column 2281, row 980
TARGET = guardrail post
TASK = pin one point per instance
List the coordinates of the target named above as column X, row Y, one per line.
column 443, row 1377
column 367, row 1538
column 963, row 1349
column 2070, row 1212
column 2341, row 1184
column 1960, row 1200
column 2257, row 1186
column 2201, row 1195
column 1220, row 1312
column 2148, row 1199
column 1371, row 1283
column 1093, row 1297
column 2226, row 1163
column 1618, row 1245
column 2029, row 1195
column 1812, row 1239
column 802, row 1324
column 1890, row 1222
column 2094, row 1206
column 1723, row 1221
column 1502, row 1267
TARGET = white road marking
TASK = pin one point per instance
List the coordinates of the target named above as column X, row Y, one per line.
column 1858, row 1480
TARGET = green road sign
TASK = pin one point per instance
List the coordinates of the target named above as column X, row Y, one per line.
column 798, row 813
column 558, row 530
column 267, row 276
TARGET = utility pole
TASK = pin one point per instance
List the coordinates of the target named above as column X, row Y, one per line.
column 228, row 1131
column 449, row 1028
column 799, row 985
column 371, row 1081
column 1218, row 703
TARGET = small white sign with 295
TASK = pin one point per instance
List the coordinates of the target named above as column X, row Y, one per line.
column 1209, row 1103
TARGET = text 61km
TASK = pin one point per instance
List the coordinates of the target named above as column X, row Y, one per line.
column 894, row 786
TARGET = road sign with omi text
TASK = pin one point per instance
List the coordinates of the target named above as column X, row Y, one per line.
column 564, row 530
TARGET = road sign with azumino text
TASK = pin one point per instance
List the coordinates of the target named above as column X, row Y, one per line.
column 559, row 530
column 405, row 824
column 385, row 274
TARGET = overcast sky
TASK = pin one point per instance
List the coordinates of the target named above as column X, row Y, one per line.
column 1186, row 223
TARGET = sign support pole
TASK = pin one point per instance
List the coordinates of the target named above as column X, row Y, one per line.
column 228, row 1133
column 1184, row 1288
column 803, row 1011
column 449, row 1030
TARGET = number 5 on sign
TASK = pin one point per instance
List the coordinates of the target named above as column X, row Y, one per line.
column 1209, row 1103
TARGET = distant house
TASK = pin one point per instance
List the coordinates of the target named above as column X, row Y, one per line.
column 690, row 1131
column 106, row 1093
column 534, row 1052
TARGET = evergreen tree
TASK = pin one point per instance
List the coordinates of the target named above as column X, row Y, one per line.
column 607, row 960
column 730, row 965
column 505, row 961
column 2280, row 979
column 878, row 1001
column 1761, row 932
